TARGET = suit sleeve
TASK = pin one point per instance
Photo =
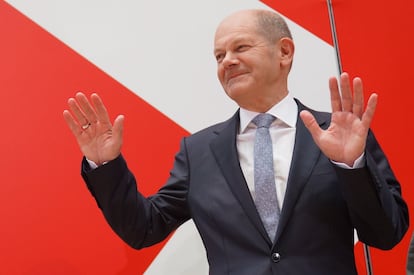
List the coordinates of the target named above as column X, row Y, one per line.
column 138, row 220
column 373, row 196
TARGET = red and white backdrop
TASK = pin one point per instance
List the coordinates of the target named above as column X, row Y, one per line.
column 153, row 62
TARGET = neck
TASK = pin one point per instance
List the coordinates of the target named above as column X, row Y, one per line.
column 264, row 104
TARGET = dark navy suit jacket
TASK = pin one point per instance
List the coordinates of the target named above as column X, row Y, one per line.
column 322, row 206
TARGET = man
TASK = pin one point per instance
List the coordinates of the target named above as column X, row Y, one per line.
column 330, row 175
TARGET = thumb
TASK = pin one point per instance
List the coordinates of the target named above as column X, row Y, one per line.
column 118, row 128
column 310, row 123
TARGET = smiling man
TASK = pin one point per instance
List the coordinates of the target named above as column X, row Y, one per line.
column 277, row 188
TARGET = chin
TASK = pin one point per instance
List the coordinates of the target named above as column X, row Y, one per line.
column 236, row 92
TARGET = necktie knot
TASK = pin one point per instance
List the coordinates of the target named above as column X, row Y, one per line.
column 263, row 120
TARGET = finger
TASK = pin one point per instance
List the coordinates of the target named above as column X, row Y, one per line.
column 77, row 112
column 335, row 97
column 370, row 110
column 101, row 112
column 346, row 93
column 86, row 108
column 312, row 125
column 72, row 123
column 358, row 105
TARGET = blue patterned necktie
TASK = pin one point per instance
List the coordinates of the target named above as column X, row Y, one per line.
column 264, row 178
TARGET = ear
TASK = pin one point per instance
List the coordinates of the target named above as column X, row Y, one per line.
column 287, row 49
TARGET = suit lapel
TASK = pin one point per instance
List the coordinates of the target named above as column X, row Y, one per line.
column 305, row 156
column 225, row 152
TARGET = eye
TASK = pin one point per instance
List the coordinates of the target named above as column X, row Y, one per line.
column 219, row 57
column 242, row 48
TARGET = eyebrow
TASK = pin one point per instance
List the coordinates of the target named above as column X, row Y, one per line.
column 237, row 40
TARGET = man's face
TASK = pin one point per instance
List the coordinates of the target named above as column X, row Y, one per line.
column 248, row 64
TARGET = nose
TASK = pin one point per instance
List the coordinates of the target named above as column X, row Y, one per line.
column 230, row 60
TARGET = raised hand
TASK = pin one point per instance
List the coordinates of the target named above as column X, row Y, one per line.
column 344, row 140
column 89, row 122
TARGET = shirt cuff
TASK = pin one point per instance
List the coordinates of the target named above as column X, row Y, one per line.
column 358, row 163
column 93, row 165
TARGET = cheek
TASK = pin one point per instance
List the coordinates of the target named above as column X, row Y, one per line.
column 220, row 74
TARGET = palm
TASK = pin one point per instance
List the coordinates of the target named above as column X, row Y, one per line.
column 344, row 140
column 100, row 141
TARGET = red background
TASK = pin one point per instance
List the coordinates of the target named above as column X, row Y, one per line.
column 51, row 225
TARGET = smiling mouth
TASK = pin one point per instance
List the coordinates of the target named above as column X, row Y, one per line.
column 234, row 76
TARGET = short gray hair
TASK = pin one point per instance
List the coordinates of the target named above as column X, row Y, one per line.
column 272, row 26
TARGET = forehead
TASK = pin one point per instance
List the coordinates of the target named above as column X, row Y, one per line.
column 240, row 26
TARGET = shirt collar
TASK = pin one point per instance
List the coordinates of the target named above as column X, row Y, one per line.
column 286, row 111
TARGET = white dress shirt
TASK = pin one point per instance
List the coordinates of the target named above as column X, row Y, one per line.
column 282, row 132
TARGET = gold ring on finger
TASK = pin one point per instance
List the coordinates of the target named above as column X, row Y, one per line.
column 86, row 126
